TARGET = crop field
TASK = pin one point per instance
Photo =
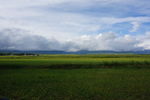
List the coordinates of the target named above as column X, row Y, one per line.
column 75, row 77
column 75, row 61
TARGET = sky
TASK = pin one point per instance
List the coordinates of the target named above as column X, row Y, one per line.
column 72, row 25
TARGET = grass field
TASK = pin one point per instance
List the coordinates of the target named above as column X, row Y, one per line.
column 75, row 61
column 75, row 77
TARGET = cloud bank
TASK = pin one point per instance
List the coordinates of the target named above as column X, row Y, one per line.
column 16, row 39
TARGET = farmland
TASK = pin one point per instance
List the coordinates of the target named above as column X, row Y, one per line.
column 75, row 77
column 75, row 61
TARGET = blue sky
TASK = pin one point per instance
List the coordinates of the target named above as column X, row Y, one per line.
column 75, row 24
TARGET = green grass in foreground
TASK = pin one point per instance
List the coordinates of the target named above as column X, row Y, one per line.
column 75, row 84
column 127, row 77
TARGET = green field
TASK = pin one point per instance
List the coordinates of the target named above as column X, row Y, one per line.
column 75, row 77
column 75, row 61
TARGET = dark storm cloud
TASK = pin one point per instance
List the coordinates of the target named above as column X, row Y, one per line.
column 23, row 40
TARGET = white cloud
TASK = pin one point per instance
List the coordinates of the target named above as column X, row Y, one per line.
column 105, row 41
column 113, row 20
column 144, row 40
column 135, row 27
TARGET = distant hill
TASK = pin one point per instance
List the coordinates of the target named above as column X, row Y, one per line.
column 76, row 52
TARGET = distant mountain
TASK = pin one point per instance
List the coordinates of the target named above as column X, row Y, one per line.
column 33, row 51
column 76, row 52
column 112, row 52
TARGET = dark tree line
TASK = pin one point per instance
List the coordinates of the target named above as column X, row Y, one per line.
column 19, row 54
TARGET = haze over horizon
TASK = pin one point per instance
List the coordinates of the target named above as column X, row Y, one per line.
column 72, row 25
